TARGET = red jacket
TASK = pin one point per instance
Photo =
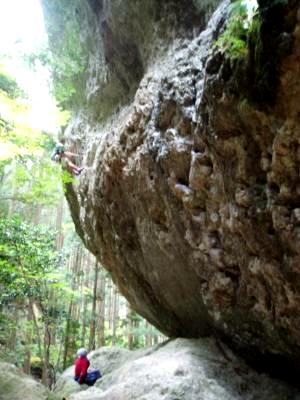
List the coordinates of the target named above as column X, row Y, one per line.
column 81, row 367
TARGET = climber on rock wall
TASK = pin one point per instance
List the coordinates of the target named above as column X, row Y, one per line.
column 65, row 158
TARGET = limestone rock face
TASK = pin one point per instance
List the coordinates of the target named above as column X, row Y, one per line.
column 181, row 369
column 190, row 195
column 123, row 37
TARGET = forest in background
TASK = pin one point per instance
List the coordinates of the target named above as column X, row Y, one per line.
column 54, row 295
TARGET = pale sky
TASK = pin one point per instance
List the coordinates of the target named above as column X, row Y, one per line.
column 22, row 31
column 21, row 20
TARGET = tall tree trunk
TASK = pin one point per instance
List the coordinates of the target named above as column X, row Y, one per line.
column 115, row 319
column 47, row 343
column 101, row 312
column 37, row 328
column 110, row 304
column 37, row 214
column 92, row 341
column 58, row 224
column 74, row 266
column 67, row 335
column 130, row 335
column 148, row 338
column 28, row 339
column 12, row 203
column 13, row 331
column 85, row 299
column 84, row 320
column 57, row 364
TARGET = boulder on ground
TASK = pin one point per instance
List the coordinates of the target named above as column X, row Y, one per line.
column 180, row 369
column 15, row 385
column 107, row 359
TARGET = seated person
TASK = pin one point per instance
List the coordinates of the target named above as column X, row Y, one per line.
column 82, row 364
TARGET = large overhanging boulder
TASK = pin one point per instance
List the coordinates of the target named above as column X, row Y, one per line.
column 190, row 195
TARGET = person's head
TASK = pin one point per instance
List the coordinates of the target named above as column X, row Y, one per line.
column 59, row 148
column 82, row 352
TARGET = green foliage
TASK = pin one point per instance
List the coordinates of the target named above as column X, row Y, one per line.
column 9, row 85
column 27, row 256
column 37, row 180
column 67, row 177
column 36, row 362
column 31, row 272
column 234, row 38
column 66, row 58
column 25, row 157
column 17, row 136
column 6, row 328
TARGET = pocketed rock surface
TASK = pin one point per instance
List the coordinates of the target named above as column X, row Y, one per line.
column 190, row 194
